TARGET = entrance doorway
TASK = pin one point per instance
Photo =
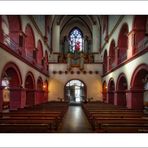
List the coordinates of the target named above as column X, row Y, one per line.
column 75, row 91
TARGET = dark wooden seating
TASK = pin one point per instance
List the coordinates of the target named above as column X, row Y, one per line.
column 36, row 119
column 114, row 119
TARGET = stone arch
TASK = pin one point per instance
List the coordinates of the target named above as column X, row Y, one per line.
column 121, row 88
column 123, row 43
column 112, row 55
column 39, row 53
column 139, row 28
column 111, row 90
column 12, row 74
column 29, row 42
column 105, row 62
column 138, row 86
column 14, row 27
column 104, row 91
column 30, row 89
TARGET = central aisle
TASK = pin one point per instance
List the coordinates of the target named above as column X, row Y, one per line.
column 75, row 121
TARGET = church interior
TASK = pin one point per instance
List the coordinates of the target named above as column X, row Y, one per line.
column 74, row 74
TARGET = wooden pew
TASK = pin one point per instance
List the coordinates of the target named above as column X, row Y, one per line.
column 40, row 118
column 102, row 123
column 24, row 128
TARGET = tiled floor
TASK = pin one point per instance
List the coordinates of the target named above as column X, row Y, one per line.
column 75, row 121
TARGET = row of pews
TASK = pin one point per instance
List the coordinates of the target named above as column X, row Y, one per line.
column 44, row 118
column 108, row 118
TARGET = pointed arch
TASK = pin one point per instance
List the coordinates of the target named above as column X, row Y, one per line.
column 76, row 40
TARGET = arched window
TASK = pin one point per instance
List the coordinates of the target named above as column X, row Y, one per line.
column 76, row 40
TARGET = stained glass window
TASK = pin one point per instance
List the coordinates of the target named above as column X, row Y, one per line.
column 76, row 40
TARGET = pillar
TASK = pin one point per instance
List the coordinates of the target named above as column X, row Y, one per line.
column 39, row 97
column 1, row 98
column 17, row 98
column 131, row 44
column 110, row 97
column 45, row 96
column 120, row 98
column 116, row 56
column 134, row 99
column 108, row 66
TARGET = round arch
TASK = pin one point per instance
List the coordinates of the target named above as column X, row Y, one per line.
column 121, row 88
column 12, row 71
column 40, row 84
column 29, row 41
column 75, row 91
column 105, row 62
column 104, row 91
column 30, row 89
column 139, row 27
column 123, row 43
column 39, row 52
column 46, row 61
column 11, row 80
column 112, row 54
column 14, row 27
column 111, row 90
column 1, row 32
column 138, row 83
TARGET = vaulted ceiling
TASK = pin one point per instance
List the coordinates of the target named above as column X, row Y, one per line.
column 86, row 21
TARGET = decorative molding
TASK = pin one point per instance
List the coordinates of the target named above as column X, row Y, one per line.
column 75, row 72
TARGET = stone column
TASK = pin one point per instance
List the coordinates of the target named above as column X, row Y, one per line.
column 131, row 44
column 116, row 56
column 17, row 98
column 134, row 99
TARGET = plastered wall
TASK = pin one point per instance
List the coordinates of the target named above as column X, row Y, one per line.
column 58, row 81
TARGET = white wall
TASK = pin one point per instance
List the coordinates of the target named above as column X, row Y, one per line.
column 92, row 81
column 127, row 69
column 56, row 38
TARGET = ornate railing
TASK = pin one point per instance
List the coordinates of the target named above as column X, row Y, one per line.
column 113, row 65
column 122, row 57
column 14, row 46
column 143, row 44
column 10, row 43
